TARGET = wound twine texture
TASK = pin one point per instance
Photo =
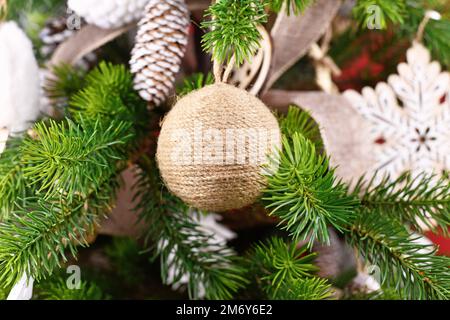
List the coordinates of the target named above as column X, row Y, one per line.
column 212, row 147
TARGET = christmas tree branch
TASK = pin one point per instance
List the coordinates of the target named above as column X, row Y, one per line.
column 73, row 169
column 55, row 288
column 13, row 183
column 286, row 271
column 233, row 29
column 72, row 158
column 420, row 201
column 384, row 11
column 305, row 195
column 407, row 16
column 295, row 6
column 405, row 265
column 301, row 122
column 34, row 239
column 182, row 246
column 194, row 82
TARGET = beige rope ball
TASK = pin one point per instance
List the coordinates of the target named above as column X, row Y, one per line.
column 215, row 147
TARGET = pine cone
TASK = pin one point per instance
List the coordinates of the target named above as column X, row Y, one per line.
column 160, row 46
column 56, row 32
column 108, row 14
column 53, row 34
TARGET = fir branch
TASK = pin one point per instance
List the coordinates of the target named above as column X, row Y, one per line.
column 233, row 29
column 295, row 6
column 71, row 158
column 109, row 95
column 35, row 239
column 437, row 33
column 412, row 200
column 305, row 289
column 389, row 12
column 63, row 83
column 17, row 8
column 305, row 195
column 194, row 82
column 181, row 243
column 55, row 288
column 285, row 271
column 384, row 294
column 13, row 184
column 301, row 122
column 276, row 263
column 437, row 38
column 406, row 265
column 124, row 253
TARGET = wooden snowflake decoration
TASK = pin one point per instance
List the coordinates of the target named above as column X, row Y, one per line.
column 409, row 117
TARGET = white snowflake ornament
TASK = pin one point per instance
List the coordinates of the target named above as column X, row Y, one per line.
column 19, row 80
column 409, row 117
column 109, row 14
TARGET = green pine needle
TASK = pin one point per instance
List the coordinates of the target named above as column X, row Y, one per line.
column 109, row 95
column 388, row 10
column 405, row 265
column 194, row 82
column 124, row 253
column 285, row 271
column 35, row 239
column 295, row 6
column 180, row 242
column 73, row 158
column 13, row 184
column 233, row 29
column 65, row 82
column 416, row 201
column 55, row 288
column 301, row 122
column 305, row 289
column 305, row 195
column 276, row 263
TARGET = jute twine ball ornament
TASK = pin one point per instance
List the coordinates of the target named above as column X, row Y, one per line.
column 214, row 145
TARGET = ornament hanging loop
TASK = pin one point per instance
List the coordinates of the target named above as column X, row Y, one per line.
column 429, row 15
column 229, row 68
column 220, row 77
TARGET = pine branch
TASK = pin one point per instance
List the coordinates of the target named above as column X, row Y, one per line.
column 384, row 294
column 109, row 95
column 13, row 184
column 389, row 12
column 405, row 265
column 305, row 289
column 437, row 33
column 71, row 158
column 301, row 122
column 34, row 239
column 305, row 195
column 285, row 271
column 407, row 16
column 55, row 288
column 194, row 82
column 233, row 29
column 17, row 8
column 71, row 170
column 124, row 253
column 180, row 242
column 409, row 200
column 65, row 81
column 295, row 6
